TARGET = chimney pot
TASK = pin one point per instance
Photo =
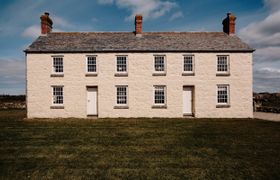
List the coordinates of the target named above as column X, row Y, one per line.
column 229, row 24
column 138, row 25
column 46, row 23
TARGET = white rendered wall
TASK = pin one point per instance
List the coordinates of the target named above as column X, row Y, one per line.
column 140, row 83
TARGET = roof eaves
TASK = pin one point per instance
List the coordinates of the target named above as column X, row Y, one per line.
column 141, row 51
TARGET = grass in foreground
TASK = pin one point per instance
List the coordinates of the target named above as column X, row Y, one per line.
column 138, row 148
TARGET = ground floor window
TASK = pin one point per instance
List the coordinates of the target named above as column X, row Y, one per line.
column 223, row 94
column 57, row 95
column 159, row 95
column 121, row 95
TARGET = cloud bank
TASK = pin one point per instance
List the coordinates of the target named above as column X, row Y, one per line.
column 150, row 9
column 264, row 35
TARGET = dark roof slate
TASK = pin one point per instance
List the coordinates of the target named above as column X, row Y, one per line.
column 128, row 42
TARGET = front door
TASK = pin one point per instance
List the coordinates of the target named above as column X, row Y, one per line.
column 91, row 101
column 187, row 100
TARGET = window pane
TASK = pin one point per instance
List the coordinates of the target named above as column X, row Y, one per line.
column 58, row 95
column 91, row 63
column 188, row 63
column 159, row 63
column 121, row 63
column 159, row 94
column 58, row 64
column 222, row 94
column 222, row 64
column 122, row 95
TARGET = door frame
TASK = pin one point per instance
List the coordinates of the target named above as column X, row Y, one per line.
column 192, row 87
column 97, row 112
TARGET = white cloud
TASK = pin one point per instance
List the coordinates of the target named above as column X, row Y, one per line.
column 267, row 79
column 267, row 72
column 264, row 35
column 35, row 30
column 272, row 5
column 268, row 53
column 32, row 31
column 176, row 15
column 150, row 9
column 61, row 22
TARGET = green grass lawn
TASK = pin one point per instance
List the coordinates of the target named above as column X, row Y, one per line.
column 138, row 148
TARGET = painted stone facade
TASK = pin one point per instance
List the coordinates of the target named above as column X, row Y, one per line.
column 140, row 82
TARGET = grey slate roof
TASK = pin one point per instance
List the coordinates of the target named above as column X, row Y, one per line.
column 127, row 42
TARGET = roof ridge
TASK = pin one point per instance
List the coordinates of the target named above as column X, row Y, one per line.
column 147, row 32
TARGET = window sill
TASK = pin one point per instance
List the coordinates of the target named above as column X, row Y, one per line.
column 222, row 74
column 121, row 74
column 222, row 106
column 90, row 74
column 120, row 107
column 188, row 74
column 57, row 75
column 188, row 114
column 57, row 107
column 92, row 116
column 159, row 74
column 159, row 107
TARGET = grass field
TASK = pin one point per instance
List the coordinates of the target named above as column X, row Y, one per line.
column 138, row 148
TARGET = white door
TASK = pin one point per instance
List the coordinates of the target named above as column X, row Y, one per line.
column 92, row 101
column 187, row 100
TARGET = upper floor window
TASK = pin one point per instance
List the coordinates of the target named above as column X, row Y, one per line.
column 159, row 64
column 223, row 64
column 91, row 64
column 188, row 64
column 159, row 95
column 57, row 95
column 121, row 64
column 121, row 93
column 58, row 65
column 223, row 94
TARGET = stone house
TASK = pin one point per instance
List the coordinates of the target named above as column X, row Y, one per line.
column 139, row 74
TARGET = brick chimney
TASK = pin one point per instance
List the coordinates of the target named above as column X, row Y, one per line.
column 46, row 23
column 229, row 24
column 138, row 25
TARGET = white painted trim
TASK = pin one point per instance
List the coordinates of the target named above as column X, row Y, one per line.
column 193, row 64
column 160, row 73
column 127, row 96
column 165, row 96
column 125, row 73
column 228, row 94
column 96, row 65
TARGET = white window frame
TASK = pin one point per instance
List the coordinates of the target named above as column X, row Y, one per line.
column 117, row 96
column 118, row 71
column 54, row 97
column 159, row 72
column 227, row 65
column 192, row 64
column 227, row 94
column 155, row 87
column 96, row 65
column 53, row 64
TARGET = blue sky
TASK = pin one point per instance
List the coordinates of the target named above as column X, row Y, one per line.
column 258, row 23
